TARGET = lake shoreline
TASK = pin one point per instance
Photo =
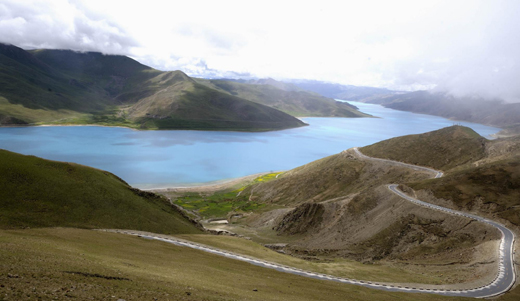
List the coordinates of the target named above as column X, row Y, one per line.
column 145, row 130
column 183, row 159
column 209, row 186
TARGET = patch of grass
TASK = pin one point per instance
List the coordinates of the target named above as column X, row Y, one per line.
column 220, row 203
column 36, row 264
column 511, row 295
column 267, row 177
column 217, row 205
column 42, row 193
column 33, row 115
column 102, row 118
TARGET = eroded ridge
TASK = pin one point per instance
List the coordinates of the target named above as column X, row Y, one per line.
column 506, row 276
column 502, row 282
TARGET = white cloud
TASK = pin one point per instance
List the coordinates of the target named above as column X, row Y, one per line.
column 466, row 47
column 60, row 24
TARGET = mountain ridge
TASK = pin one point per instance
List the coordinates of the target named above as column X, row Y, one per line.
column 66, row 87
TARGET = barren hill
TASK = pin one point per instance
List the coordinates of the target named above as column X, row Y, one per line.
column 339, row 206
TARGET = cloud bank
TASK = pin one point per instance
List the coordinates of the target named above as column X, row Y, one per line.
column 60, row 25
column 465, row 47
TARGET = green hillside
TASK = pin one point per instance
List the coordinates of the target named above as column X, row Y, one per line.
column 42, row 193
column 66, row 87
column 294, row 102
column 33, row 85
column 180, row 102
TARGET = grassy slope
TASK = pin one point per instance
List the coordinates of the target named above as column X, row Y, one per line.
column 296, row 103
column 43, row 193
column 61, row 264
column 28, row 82
column 337, row 267
column 442, row 149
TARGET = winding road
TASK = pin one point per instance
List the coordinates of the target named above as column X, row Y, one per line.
column 502, row 282
column 506, row 270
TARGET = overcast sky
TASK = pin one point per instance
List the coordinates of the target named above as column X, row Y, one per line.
column 464, row 47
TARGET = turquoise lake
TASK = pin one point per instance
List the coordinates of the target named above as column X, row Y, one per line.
column 155, row 159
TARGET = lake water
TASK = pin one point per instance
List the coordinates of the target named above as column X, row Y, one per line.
column 153, row 159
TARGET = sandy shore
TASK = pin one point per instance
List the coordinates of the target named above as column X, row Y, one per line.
column 209, row 187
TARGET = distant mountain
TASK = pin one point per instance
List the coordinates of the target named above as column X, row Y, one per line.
column 284, row 97
column 267, row 81
column 337, row 91
column 66, row 87
column 491, row 112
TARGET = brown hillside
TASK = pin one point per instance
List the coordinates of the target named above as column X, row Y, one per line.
column 330, row 177
column 442, row 149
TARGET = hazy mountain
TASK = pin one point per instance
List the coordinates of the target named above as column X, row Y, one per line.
column 337, row 91
column 491, row 112
column 285, row 97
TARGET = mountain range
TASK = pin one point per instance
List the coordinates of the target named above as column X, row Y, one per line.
column 479, row 110
column 65, row 87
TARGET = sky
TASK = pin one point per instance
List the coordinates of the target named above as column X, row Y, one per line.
column 463, row 47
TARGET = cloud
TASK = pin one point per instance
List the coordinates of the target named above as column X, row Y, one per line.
column 471, row 50
column 465, row 47
column 60, row 25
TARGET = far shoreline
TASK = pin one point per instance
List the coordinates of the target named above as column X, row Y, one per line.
column 207, row 186
column 143, row 130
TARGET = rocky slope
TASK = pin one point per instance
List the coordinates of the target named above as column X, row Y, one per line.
column 340, row 207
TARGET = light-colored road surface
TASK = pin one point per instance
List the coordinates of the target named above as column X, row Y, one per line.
column 502, row 283
column 506, row 272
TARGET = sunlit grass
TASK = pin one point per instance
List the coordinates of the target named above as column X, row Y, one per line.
column 221, row 203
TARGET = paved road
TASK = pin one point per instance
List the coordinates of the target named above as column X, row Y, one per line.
column 503, row 282
column 506, row 276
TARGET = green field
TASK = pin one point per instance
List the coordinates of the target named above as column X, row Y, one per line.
column 219, row 204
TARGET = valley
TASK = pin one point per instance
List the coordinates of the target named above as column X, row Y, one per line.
column 330, row 219
column 241, row 150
